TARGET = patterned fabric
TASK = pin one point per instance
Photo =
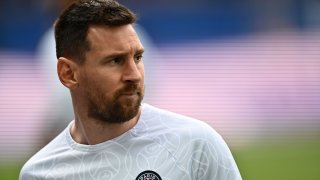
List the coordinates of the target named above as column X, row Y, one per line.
column 162, row 145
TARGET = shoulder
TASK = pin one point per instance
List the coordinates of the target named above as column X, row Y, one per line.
column 179, row 129
column 193, row 143
column 168, row 121
column 43, row 159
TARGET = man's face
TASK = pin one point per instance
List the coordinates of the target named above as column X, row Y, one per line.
column 112, row 76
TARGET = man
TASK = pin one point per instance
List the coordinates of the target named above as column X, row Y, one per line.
column 59, row 110
column 113, row 135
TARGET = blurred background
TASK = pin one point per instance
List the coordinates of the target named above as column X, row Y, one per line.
column 249, row 68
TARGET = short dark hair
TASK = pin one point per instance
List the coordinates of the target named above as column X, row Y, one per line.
column 71, row 28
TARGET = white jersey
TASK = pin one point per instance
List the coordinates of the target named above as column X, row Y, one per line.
column 162, row 145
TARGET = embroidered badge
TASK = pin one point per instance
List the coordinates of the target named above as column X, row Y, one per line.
column 148, row 175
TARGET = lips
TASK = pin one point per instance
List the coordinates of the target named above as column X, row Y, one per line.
column 130, row 90
column 129, row 93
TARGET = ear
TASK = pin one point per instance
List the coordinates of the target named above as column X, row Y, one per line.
column 68, row 72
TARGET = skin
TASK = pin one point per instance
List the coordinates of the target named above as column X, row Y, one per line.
column 112, row 65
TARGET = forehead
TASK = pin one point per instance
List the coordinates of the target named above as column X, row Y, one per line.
column 113, row 37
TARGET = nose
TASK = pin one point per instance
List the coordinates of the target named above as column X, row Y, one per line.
column 132, row 72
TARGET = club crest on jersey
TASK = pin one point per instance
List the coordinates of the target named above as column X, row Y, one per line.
column 148, row 175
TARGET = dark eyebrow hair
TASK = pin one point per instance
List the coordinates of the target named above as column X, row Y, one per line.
column 111, row 56
column 120, row 54
column 140, row 51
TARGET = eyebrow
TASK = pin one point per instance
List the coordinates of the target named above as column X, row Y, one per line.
column 120, row 54
column 140, row 51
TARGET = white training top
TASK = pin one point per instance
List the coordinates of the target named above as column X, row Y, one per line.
column 162, row 145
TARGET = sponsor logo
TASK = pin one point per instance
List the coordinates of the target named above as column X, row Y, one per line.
column 148, row 175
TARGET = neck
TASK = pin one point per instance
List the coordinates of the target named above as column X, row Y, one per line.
column 89, row 131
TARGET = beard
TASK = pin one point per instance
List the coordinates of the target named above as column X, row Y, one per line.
column 115, row 110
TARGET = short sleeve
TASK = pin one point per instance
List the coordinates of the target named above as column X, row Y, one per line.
column 213, row 159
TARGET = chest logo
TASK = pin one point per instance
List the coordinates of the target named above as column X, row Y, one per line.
column 148, row 175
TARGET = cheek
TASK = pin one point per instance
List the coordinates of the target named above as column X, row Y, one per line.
column 141, row 69
column 92, row 84
column 142, row 73
column 106, row 85
column 98, row 83
column 104, row 77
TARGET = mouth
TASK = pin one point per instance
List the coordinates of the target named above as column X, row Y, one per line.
column 130, row 93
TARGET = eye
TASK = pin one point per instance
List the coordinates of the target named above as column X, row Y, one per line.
column 138, row 58
column 116, row 60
